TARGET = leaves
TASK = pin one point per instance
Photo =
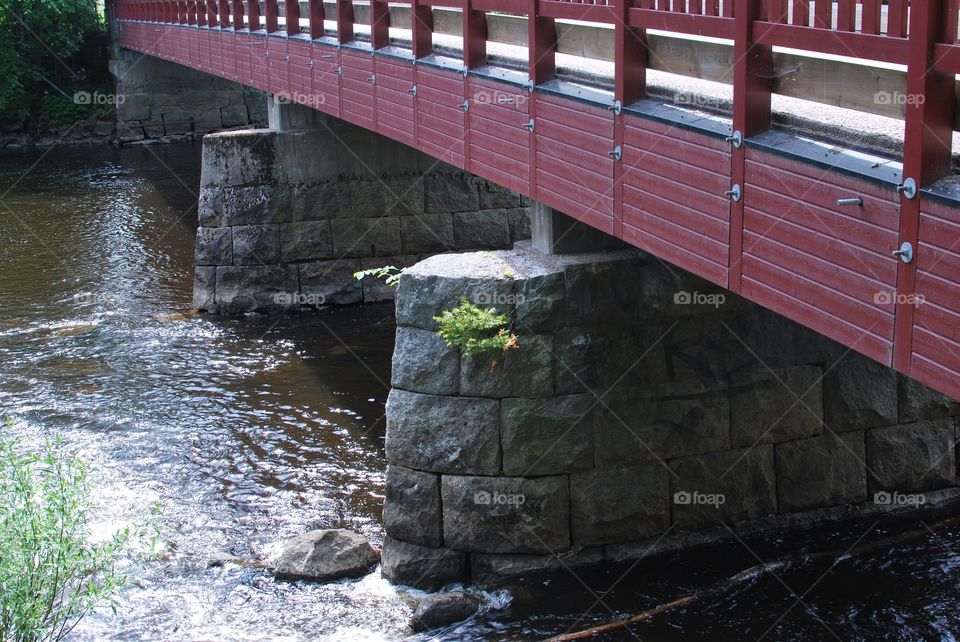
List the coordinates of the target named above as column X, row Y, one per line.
column 41, row 42
column 51, row 575
column 389, row 273
column 475, row 330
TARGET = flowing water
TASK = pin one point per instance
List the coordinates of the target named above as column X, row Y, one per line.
column 251, row 430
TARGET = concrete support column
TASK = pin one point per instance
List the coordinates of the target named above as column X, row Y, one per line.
column 283, row 115
column 554, row 232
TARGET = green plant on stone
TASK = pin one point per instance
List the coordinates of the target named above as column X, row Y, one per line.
column 475, row 330
column 51, row 574
column 389, row 273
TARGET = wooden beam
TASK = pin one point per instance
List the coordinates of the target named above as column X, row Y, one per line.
column 928, row 136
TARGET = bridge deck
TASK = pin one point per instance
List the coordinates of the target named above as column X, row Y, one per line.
column 653, row 174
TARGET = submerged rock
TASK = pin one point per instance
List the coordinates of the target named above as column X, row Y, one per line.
column 325, row 555
column 442, row 609
column 221, row 559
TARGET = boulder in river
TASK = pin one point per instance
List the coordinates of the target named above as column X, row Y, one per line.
column 441, row 609
column 326, row 555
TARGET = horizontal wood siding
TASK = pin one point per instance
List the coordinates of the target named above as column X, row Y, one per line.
column 356, row 90
column 499, row 142
column 574, row 168
column 395, row 109
column 936, row 321
column 440, row 116
column 825, row 266
column 673, row 196
column 326, row 82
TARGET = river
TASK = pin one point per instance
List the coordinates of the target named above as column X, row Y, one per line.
column 251, row 430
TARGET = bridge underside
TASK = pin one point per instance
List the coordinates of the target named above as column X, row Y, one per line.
column 808, row 234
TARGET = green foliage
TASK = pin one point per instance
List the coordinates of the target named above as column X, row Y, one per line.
column 46, row 55
column 51, row 575
column 389, row 273
column 475, row 330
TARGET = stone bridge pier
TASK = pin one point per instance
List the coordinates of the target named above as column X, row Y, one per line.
column 288, row 214
column 643, row 411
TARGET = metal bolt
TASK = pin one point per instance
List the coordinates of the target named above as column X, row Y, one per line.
column 616, row 153
column 850, row 201
column 736, row 139
column 734, row 193
column 616, row 107
column 908, row 188
column 412, row 90
column 530, row 124
column 905, row 253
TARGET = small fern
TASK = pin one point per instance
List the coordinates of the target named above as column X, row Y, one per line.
column 475, row 330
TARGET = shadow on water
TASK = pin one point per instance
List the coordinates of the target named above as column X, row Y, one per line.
column 251, row 430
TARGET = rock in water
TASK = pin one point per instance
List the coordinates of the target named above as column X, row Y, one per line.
column 445, row 608
column 326, row 555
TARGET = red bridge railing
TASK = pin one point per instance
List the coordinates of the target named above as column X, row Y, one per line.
column 576, row 137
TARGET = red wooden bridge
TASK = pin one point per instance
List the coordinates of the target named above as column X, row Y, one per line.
column 799, row 226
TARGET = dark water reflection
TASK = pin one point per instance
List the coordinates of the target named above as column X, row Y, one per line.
column 251, row 430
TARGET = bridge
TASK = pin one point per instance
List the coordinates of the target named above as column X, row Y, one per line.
column 790, row 224
column 552, row 99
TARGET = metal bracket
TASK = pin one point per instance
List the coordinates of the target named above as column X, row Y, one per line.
column 372, row 79
column 465, row 105
column 908, row 188
column 616, row 153
column 736, row 139
column 734, row 193
column 286, row 57
column 616, row 107
column 339, row 71
column 529, row 86
column 310, row 63
column 850, row 201
column 412, row 91
column 905, row 253
column 530, row 124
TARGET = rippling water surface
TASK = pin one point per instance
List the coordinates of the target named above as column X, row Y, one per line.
column 252, row 430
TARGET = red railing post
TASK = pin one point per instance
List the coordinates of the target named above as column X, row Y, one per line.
column 379, row 23
column 223, row 14
column 927, row 139
column 293, row 17
column 752, row 71
column 541, row 44
column 272, row 11
column 474, row 36
column 192, row 12
column 344, row 21
column 202, row 12
column 316, row 19
column 630, row 56
column 421, row 22
column 253, row 10
column 238, row 21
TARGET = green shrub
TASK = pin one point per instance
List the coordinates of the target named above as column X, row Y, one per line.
column 389, row 273
column 475, row 330
column 51, row 575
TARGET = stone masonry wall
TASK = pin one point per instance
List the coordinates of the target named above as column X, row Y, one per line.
column 287, row 218
column 643, row 409
column 161, row 100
